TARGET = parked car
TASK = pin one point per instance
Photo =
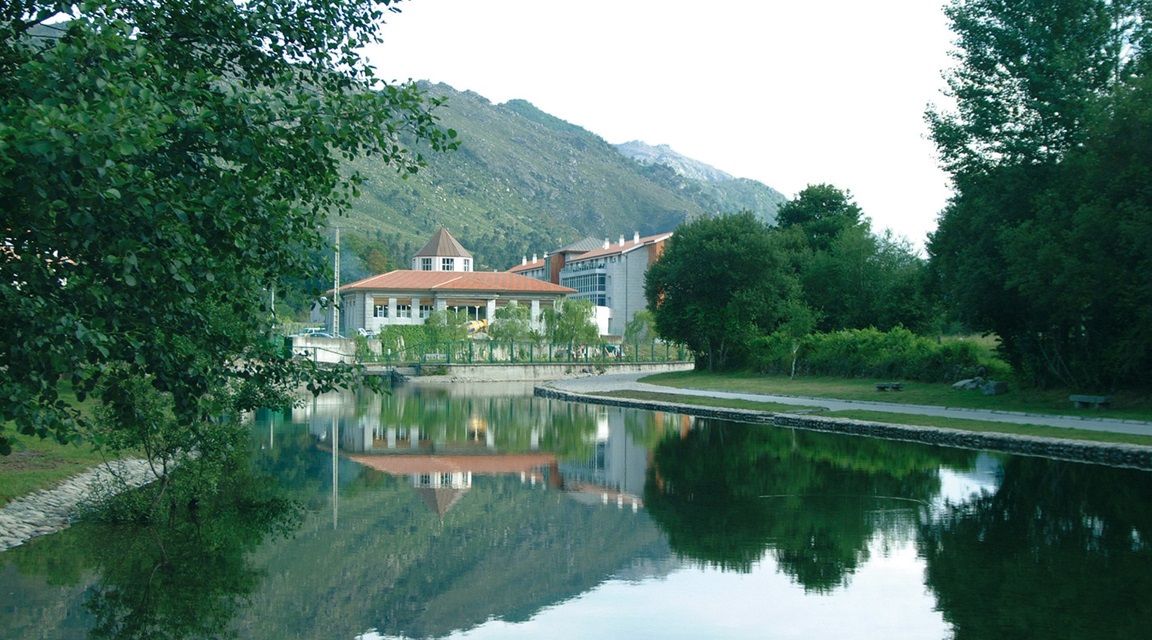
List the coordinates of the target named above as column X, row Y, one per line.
column 312, row 332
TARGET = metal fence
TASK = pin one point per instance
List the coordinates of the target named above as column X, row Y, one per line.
column 496, row 352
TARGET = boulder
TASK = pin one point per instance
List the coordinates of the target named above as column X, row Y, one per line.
column 995, row 388
column 970, row 384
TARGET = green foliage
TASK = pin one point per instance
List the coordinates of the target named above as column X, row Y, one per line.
column 1045, row 242
column 570, row 321
column 719, row 283
column 821, row 213
column 513, row 323
column 186, row 572
column 641, row 328
column 445, row 326
column 162, row 169
column 728, row 493
column 1029, row 76
column 897, row 354
column 396, row 337
column 850, row 277
column 523, row 182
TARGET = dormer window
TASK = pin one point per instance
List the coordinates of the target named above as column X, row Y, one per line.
column 447, row 264
column 425, row 264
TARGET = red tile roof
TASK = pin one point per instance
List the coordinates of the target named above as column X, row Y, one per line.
column 528, row 266
column 494, row 281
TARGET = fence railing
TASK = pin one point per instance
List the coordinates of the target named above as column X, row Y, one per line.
column 494, row 352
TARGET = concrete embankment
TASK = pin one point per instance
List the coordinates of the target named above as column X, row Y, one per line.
column 1124, row 455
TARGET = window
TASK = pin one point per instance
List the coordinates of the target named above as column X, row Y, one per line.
column 425, row 264
column 425, row 310
column 447, row 264
column 590, row 286
column 467, row 264
column 445, row 479
column 403, row 311
column 380, row 311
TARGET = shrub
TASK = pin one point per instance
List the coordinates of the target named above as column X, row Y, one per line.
column 858, row 353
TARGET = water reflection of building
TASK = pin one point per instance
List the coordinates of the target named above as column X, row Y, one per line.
column 442, row 480
column 615, row 472
column 439, row 440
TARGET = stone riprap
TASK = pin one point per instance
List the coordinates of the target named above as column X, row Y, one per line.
column 51, row 510
column 1124, row 455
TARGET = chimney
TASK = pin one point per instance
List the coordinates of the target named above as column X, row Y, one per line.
column 606, row 243
column 533, row 258
column 621, row 239
column 635, row 237
column 524, row 260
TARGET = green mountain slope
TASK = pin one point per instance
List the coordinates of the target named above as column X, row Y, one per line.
column 525, row 182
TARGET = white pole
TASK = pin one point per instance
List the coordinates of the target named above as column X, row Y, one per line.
column 336, row 287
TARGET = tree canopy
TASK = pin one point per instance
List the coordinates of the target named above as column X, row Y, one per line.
column 1041, row 243
column 719, row 283
column 163, row 166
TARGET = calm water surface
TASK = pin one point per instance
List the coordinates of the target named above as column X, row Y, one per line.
column 478, row 511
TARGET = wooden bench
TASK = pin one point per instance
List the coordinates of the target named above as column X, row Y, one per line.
column 889, row 386
column 1095, row 402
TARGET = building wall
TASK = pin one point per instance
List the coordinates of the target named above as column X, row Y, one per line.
column 626, row 288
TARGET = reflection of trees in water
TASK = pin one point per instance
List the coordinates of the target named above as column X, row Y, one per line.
column 1060, row 550
column 725, row 493
column 186, row 573
column 513, row 423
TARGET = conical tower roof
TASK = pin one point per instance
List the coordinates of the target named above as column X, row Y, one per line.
column 443, row 245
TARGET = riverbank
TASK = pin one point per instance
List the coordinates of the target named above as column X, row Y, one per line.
column 1126, row 455
column 51, row 510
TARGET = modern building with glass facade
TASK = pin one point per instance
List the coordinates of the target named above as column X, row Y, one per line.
column 610, row 274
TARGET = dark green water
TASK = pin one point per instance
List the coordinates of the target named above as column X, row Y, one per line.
column 478, row 511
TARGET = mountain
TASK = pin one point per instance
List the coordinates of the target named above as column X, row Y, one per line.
column 663, row 154
column 523, row 182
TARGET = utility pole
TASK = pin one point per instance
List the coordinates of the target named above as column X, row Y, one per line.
column 336, row 290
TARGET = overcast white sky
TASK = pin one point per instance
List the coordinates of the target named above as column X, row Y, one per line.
column 786, row 92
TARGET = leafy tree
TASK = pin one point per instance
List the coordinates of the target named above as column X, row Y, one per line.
column 570, row 321
column 822, row 213
column 718, row 284
column 851, row 277
column 1039, row 244
column 1029, row 75
column 445, row 326
column 163, row 165
column 640, row 328
column 512, row 323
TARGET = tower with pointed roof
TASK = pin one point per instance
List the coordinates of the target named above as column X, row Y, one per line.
column 442, row 253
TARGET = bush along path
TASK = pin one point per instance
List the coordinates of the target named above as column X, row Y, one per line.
column 52, row 510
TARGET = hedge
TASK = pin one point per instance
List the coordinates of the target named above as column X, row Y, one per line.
column 898, row 354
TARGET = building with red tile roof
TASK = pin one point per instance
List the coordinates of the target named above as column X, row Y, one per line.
column 409, row 296
column 610, row 274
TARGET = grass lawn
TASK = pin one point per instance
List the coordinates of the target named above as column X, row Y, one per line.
column 978, row 426
column 1128, row 406
column 42, row 464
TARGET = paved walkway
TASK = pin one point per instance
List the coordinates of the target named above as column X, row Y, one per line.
column 625, row 381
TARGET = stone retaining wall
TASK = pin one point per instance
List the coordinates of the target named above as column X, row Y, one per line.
column 1120, row 455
